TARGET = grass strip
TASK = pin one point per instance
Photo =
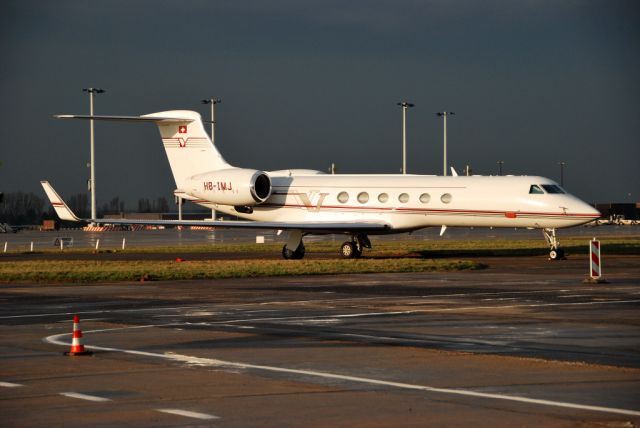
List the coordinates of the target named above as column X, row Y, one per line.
column 385, row 248
column 101, row 271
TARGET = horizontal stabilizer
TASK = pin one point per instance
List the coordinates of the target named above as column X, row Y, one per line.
column 145, row 118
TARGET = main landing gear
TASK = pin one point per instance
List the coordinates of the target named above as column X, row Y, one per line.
column 555, row 252
column 297, row 254
column 353, row 249
column 294, row 248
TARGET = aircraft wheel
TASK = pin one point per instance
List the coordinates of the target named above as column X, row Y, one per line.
column 287, row 253
column 298, row 254
column 348, row 250
column 556, row 254
column 293, row 255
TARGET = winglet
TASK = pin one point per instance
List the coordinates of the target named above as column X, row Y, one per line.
column 58, row 204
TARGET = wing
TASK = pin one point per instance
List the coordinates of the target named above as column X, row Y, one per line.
column 311, row 227
column 65, row 213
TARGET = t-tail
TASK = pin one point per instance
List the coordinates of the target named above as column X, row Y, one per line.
column 189, row 149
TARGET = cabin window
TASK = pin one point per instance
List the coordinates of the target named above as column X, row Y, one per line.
column 446, row 198
column 343, row 197
column 383, row 197
column 425, row 198
column 535, row 190
column 552, row 188
column 404, row 198
column 363, row 197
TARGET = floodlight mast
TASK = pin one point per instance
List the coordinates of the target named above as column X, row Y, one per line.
column 92, row 182
column 444, row 115
column 213, row 101
column 405, row 105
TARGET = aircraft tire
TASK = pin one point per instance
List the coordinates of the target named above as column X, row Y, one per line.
column 557, row 254
column 348, row 250
column 298, row 254
column 293, row 255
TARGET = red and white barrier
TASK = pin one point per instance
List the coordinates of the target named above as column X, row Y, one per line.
column 203, row 228
column 595, row 262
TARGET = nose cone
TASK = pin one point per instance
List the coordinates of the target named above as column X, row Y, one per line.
column 584, row 212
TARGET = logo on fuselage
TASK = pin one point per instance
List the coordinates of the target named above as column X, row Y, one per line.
column 312, row 200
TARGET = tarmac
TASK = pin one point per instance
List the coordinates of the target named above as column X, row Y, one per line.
column 522, row 343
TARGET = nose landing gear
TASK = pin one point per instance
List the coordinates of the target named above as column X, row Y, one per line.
column 555, row 252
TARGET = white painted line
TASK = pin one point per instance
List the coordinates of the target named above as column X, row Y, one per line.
column 417, row 311
column 189, row 414
column 199, row 361
column 528, row 305
column 10, row 385
column 85, row 397
column 105, row 311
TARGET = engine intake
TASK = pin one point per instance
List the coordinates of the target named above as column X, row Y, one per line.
column 235, row 186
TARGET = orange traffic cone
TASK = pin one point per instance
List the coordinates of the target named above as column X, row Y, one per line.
column 77, row 348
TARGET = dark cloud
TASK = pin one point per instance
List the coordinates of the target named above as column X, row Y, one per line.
column 308, row 83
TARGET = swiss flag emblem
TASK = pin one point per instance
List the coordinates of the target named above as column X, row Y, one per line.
column 182, row 129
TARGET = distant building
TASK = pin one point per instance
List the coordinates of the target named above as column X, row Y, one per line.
column 626, row 211
column 160, row 216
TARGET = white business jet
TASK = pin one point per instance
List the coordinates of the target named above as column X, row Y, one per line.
column 305, row 202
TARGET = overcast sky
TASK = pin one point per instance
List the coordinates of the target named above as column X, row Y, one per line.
column 307, row 83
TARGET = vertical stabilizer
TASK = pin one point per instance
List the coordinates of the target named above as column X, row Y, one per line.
column 189, row 148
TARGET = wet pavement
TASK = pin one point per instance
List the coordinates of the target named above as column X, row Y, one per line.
column 522, row 343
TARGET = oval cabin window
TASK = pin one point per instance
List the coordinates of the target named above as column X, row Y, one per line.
column 446, row 198
column 363, row 197
column 383, row 197
column 425, row 198
column 343, row 197
column 404, row 198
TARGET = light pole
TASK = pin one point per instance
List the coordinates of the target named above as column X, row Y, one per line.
column 213, row 101
column 444, row 115
column 405, row 105
column 500, row 163
column 562, row 164
column 92, row 183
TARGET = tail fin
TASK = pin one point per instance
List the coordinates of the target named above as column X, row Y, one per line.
column 63, row 211
column 189, row 148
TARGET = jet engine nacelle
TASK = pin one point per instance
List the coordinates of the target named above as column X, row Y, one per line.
column 234, row 186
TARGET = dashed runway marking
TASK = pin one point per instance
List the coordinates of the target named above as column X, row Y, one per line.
column 85, row 397
column 189, row 414
column 10, row 384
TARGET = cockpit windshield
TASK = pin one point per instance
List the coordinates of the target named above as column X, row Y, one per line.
column 552, row 188
column 535, row 189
